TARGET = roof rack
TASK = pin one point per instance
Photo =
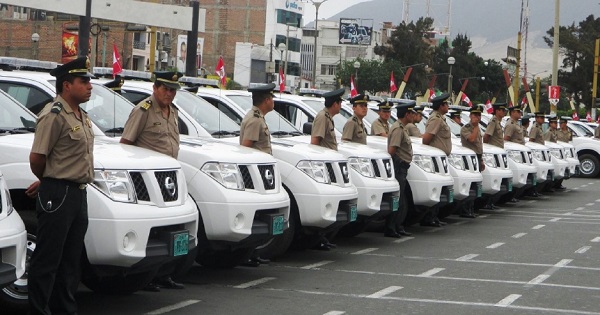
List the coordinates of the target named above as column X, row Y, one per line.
column 127, row 74
column 191, row 81
column 13, row 63
column 314, row 92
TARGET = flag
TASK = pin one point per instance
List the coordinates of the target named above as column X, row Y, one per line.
column 575, row 117
column 488, row 107
column 465, row 99
column 353, row 91
column 220, row 71
column 116, row 61
column 392, row 83
column 524, row 101
column 588, row 117
column 431, row 94
column 281, row 80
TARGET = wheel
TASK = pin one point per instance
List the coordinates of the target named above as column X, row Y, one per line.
column 224, row 259
column 15, row 296
column 590, row 166
column 115, row 284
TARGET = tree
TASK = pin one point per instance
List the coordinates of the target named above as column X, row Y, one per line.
column 371, row 75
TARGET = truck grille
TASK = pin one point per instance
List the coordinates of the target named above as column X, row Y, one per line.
column 375, row 168
column 248, row 184
column 345, row 172
column 168, row 185
column 331, row 172
column 388, row 168
column 267, row 174
column 141, row 191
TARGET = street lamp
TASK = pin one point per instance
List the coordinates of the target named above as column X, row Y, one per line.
column 356, row 66
column 451, row 61
column 314, row 70
column 35, row 38
column 281, row 47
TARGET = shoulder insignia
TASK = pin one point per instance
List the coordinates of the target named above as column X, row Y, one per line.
column 56, row 107
column 355, row 119
column 146, row 105
column 256, row 113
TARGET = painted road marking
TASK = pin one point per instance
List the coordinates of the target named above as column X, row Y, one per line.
column 537, row 227
column 583, row 186
column 254, row 283
column 483, row 216
column 173, row 307
column 555, row 220
column 335, row 313
column 508, row 300
column 589, row 204
column 431, row 272
column 583, row 250
column 539, row 279
column 579, row 208
column 531, row 201
column 364, row 251
column 576, row 188
column 495, row 245
column 595, row 240
column 403, row 239
column 384, row 292
column 467, row 257
column 569, row 213
column 519, row 235
column 459, row 223
column 563, row 263
column 317, row 265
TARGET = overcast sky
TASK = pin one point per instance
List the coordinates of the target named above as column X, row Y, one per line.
column 329, row 8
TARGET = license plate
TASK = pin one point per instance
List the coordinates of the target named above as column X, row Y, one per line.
column 450, row 195
column 180, row 244
column 277, row 225
column 395, row 203
column 353, row 214
column 479, row 190
column 509, row 186
column 534, row 179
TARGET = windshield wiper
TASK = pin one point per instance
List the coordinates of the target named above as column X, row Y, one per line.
column 115, row 130
column 281, row 133
column 14, row 131
column 225, row 133
column 28, row 129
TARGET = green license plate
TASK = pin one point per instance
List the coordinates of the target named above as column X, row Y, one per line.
column 450, row 195
column 353, row 213
column 509, row 184
column 180, row 244
column 395, row 203
column 479, row 190
column 277, row 225
column 534, row 179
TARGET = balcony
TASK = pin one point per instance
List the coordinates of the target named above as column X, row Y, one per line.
column 139, row 44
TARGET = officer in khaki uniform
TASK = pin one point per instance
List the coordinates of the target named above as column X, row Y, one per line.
column 323, row 128
column 400, row 148
column 254, row 132
column 512, row 130
column 470, row 137
column 153, row 124
column 493, row 133
column 380, row 126
column 455, row 116
column 412, row 129
column 438, row 135
column 550, row 134
column 62, row 159
column 354, row 130
column 536, row 134
column 563, row 133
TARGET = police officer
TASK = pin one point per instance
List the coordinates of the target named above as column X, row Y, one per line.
column 400, row 148
column 525, row 126
column 380, row 126
column 437, row 134
column 323, row 128
column 563, row 133
column 493, row 133
column 455, row 116
column 597, row 132
column 470, row 137
column 62, row 159
column 153, row 125
column 550, row 134
column 513, row 131
column 354, row 130
column 254, row 132
column 536, row 134
column 412, row 129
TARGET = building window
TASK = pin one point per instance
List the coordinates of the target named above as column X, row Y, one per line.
column 331, row 51
column 287, row 17
column 293, row 44
column 328, row 69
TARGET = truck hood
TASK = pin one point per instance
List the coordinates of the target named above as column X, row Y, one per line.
column 197, row 151
column 515, row 146
column 352, row 149
column 417, row 145
column 535, row 146
column 582, row 143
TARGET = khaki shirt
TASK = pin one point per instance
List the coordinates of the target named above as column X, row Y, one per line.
column 254, row 128
column 400, row 139
column 494, row 130
column 536, row 133
column 525, row 133
column 147, row 128
column 564, row 135
column 324, row 128
column 379, row 126
column 437, row 126
column 354, row 131
column 66, row 141
column 597, row 132
column 551, row 135
column 514, row 131
column 465, row 133
column 413, row 130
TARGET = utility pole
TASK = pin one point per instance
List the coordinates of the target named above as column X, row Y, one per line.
column 84, row 30
column 555, row 50
column 595, row 79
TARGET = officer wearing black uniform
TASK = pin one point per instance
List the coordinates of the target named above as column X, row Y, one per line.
column 62, row 158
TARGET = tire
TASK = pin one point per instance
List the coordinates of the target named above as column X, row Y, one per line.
column 15, row 296
column 224, row 259
column 120, row 284
column 590, row 166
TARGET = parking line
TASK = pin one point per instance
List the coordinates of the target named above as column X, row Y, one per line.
column 555, row 220
column 583, row 250
column 591, row 183
column 431, row 272
column 364, row 251
column 483, row 216
column 519, row 235
column 589, row 204
column 575, row 188
column 495, row 245
column 335, row 313
column 579, row 208
column 403, row 239
column 254, row 283
column 571, row 213
column 563, row 263
column 537, row 227
column 384, row 292
column 467, row 257
column 173, row 307
column 583, row 186
column 459, row 223
column 539, row 279
column 531, row 201
column 508, row 300
column 595, row 239
column 317, row 265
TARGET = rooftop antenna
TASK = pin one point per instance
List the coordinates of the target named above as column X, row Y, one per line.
column 405, row 15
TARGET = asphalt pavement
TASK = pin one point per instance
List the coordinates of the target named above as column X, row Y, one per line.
column 537, row 256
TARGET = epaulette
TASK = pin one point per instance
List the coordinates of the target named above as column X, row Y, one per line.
column 146, row 105
column 355, row 119
column 256, row 113
column 56, row 107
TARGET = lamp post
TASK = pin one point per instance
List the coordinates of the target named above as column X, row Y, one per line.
column 35, row 38
column 451, row 61
column 356, row 67
column 281, row 47
column 314, row 70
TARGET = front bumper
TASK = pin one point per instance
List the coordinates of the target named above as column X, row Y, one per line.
column 13, row 248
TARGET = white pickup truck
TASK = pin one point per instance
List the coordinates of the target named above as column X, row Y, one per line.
column 587, row 147
column 141, row 219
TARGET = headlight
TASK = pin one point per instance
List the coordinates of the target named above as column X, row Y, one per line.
column 516, row 156
column 556, row 153
column 8, row 201
column 316, row 170
column 489, row 159
column 362, row 165
column 117, row 185
column 456, row 161
column 227, row 174
column 424, row 162
column 568, row 153
column 538, row 155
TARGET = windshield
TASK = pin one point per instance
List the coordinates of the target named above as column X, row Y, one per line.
column 208, row 116
column 278, row 125
column 14, row 118
column 316, row 105
column 244, row 101
column 108, row 110
column 583, row 130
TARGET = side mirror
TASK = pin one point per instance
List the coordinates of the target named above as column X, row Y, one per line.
column 307, row 128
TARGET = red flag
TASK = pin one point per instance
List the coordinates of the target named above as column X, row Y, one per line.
column 392, row 83
column 281, row 80
column 488, row 107
column 575, row 117
column 523, row 101
column 464, row 98
column 220, row 70
column 116, row 61
column 353, row 91
column 431, row 94
column 588, row 117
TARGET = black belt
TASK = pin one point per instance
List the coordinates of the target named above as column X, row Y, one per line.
column 65, row 182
